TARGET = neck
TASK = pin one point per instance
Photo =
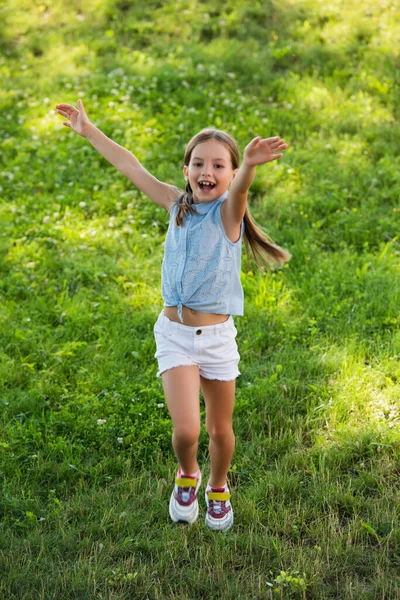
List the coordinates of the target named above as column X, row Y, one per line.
column 222, row 197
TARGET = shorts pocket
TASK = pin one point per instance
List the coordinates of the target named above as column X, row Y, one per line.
column 161, row 331
column 227, row 334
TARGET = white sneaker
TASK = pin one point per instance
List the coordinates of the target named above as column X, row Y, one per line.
column 183, row 505
column 219, row 514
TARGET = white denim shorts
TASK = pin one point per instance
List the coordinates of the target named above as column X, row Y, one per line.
column 212, row 348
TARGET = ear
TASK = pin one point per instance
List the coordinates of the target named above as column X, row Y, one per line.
column 185, row 172
column 234, row 173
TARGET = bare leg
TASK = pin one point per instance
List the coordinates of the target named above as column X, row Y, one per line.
column 181, row 388
column 219, row 398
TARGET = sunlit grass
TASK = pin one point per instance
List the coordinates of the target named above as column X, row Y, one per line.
column 87, row 464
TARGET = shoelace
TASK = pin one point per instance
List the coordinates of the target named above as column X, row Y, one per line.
column 216, row 505
column 185, row 491
column 185, row 494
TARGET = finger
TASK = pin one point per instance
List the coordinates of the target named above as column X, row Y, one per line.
column 66, row 124
column 63, row 113
column 277, row 141
column 278, row 147
column 271, row 142
column 64, row 106
column 275, row 156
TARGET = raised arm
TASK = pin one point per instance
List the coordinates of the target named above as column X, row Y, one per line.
column 161, row 193
column 257, row 152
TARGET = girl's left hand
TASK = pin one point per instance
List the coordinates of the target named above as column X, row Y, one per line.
column 261, row 151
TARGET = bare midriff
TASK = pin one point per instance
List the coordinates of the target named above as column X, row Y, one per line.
column 193, row 318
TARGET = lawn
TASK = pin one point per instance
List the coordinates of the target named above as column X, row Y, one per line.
column 86, row 460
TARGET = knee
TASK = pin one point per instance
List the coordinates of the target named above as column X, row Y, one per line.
column 220, row 433
column 187, row 435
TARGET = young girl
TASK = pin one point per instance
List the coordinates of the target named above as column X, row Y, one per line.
column 195, row 332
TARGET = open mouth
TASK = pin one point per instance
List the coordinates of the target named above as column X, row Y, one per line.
column 206, row 186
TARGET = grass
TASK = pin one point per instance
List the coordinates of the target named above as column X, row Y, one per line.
column 87, row 464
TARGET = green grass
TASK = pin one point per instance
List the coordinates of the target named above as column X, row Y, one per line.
column 87, row 464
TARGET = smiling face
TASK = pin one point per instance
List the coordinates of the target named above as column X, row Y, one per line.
column 209, row 171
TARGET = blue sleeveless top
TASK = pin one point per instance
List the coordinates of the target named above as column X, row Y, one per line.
column 201, row 266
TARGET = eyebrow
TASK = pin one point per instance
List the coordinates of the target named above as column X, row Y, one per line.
column 198, row 158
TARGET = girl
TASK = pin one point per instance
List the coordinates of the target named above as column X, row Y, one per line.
column 195, row 332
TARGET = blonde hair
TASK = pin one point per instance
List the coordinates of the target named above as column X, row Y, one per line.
column 260, row 243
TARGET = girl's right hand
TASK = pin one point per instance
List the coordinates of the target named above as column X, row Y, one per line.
column 79, row 120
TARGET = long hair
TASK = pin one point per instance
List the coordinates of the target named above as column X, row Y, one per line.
column 260, row 243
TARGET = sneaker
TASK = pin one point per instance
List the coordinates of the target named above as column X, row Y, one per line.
column 219, row 514
column 183, row 505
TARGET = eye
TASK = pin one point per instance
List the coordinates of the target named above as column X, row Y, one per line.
column 199, row 165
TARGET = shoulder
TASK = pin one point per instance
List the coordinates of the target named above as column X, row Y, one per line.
column 173, row 199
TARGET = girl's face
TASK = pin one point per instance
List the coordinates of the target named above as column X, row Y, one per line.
column 210, row 163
